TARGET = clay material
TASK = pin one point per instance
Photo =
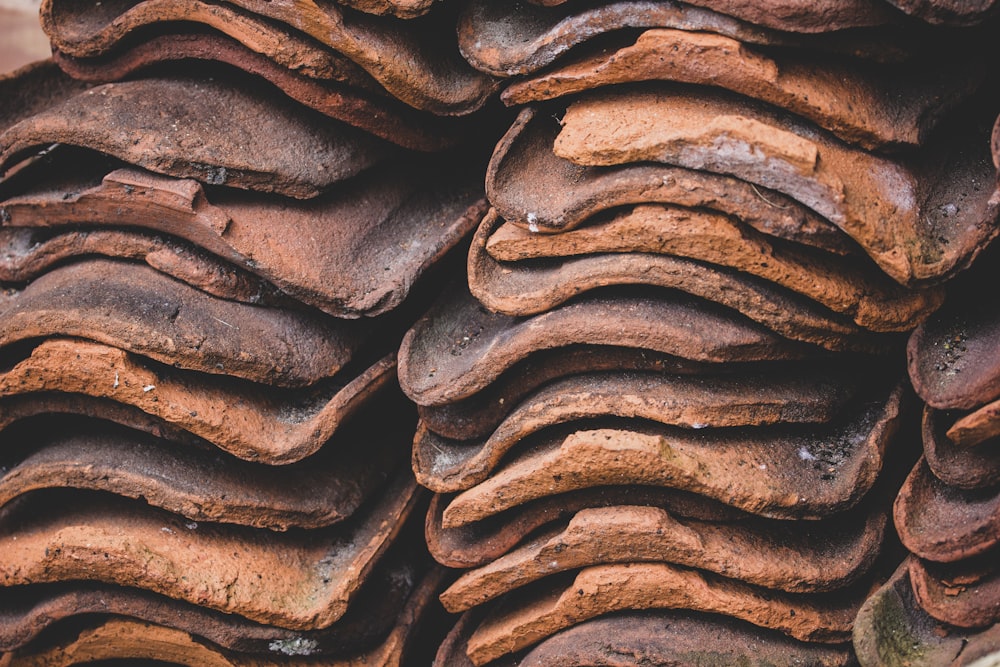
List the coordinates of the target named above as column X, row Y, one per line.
column 792, row 558
column 920, row 219
column 977, row 427
column 404, row 9
column 873, row 106
column 296, row 580
column 855, row 289
column 353, row 252
column 215, row 131
column 135, row 308
column 539, row 613
column 247, row 421
column 459, row 347
column 532, row 187
column 690, row 402
column 943, row 523
column 965, row 594
column 421, row 68
column 205, row 485
column 480, row 542
column 963, row 467
column 786, row 472
column 949, row 12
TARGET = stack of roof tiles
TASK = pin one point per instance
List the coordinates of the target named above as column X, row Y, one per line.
column 664, row 420
column 207, row 269
column 942, row 607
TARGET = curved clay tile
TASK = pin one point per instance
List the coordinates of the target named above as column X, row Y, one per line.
column 248, row 421
column 963, row 467
column 786, row 472
column 853, row 288
column 532, row 187
column 542, row 285
column 790, row 557
column 873, row 106
column 976, row 427
column 301, row 580
column 921, row 218
column 943, row 523
column 352, row 252
column 403, row 9
column 965, row 594
column 542, row 611
column 459, row 347
column 133, row 307
column 215, row 131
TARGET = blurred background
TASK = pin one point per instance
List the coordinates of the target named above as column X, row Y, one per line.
column 21, row 38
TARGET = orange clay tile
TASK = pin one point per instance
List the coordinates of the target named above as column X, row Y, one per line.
column 965, row 593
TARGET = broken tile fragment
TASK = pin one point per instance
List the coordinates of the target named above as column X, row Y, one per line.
column 976, row 427
column 965, row 593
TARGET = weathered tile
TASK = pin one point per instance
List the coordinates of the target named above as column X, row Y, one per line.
column 963, row 467
column 976, row 427
column 135, row 308
column 480, row 542
column 215, row 131
column 949, row 12
column 982, row 650
column 532, row 187
column 690, row 402
column 352, row 252
column 944, row 523
column 404, row 9
column 533, row 287
column 873, row 106
column 301, row 580
column 921, row 218
column 523, row 620
column 964, row 593
column 251, row 422
column 789, row 471
column 856, row 289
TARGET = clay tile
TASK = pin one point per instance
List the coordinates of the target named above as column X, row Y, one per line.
column 506, row 38
column 788, row 471
column 404, row 9
column 780, row 555
column 532, row 187
column 29, row 610
column 125, row 638
column 856, row 289
column 983, row 648
column 480, row 542
column 966, row 593
column 351, row 252
column 376, row 113
column 251, row 422
column 976, row 427
column 136, row 308
column 890, row 613
column 422, row 68
column 301, row 580
column 921, row 218
column 540, row 612
column 962, row 467
column 533, row 287
column 205, row 485
column 943, row 523
column 949, row 12
column 216, row 131
column 459, row 347
column 874, row 106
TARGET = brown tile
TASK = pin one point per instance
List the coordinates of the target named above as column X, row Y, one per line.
column 965, row 594
column 891, row 629
column 856, row 289
column 459, row 347
column 480, row 542
column 219, row 132
column 422, row 68
column 206, row 485
column 692, row 403
column 943, row 523
column 982, row 648
column 782, row 555
column 963, row 467
column 977, row 426
column 949, row 12
column 248, row 421
column 780, row 472
column 903, row 212
column 542, row 611
column 34, row 88
column 301, row 580
column 133, row 307
column 533, row 287
column 404, row 9
column 532, row 187
column 352, row 252
column 372, row 111
column 792, row 16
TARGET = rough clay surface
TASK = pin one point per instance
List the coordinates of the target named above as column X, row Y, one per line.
column 963, row 467
column 965, row 594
